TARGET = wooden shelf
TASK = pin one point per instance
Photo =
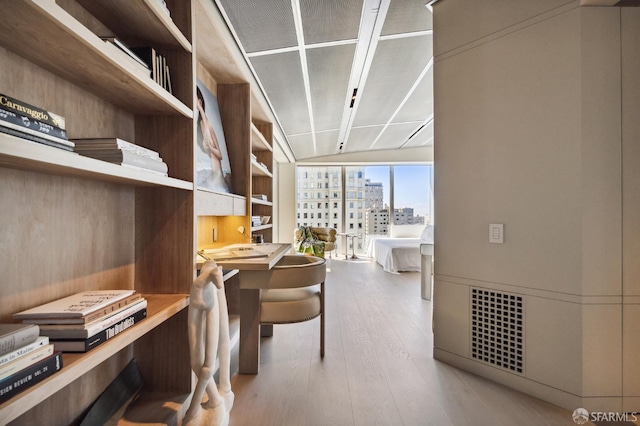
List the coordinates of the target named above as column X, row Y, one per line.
column 261, row 227
column 259, row 170
column 166, row 408
column 23, row 154
column 142, row 19
column 261, row 202
column 44, row 33
column 258, row 142
column 160, row 308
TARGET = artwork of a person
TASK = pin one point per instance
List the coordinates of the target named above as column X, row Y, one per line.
column 208, row 338
column 210, row 145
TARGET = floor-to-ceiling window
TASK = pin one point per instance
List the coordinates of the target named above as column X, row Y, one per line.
column 363, row 200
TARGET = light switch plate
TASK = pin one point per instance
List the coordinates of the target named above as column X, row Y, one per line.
column 496, row 233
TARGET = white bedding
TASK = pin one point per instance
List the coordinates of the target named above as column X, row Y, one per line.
column 396, row 254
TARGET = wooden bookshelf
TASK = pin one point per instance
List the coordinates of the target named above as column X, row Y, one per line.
column 160, row 307
column 76, row 223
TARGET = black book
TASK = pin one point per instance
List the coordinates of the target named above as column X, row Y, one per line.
column 24, row 379
column 150, row 57
column 33, row 112
column 85, row 345
column 31, row 126
column 32, row 138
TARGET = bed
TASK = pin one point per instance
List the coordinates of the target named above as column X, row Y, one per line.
column 400, row 251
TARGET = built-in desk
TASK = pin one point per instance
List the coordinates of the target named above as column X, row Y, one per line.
column 250, row 303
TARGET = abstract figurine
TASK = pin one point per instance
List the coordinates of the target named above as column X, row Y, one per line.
column 208, row 338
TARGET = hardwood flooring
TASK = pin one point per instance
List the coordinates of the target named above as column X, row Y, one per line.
column 378, row 367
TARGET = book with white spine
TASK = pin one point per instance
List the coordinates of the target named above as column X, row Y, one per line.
column 23, row 350
column 74, row 306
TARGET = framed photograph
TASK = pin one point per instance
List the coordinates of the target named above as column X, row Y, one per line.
column 213, row 169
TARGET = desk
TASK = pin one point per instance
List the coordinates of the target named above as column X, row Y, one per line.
column 426, row 252
column 250, row 304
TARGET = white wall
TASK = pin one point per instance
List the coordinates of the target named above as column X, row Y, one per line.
column 286, row 201
column 528, row 133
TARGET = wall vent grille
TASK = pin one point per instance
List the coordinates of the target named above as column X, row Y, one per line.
column 497, row 329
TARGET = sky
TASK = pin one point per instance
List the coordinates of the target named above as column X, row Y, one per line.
column 413, row 185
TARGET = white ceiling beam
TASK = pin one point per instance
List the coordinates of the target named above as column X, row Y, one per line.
column 374, row 12
column 297, row 18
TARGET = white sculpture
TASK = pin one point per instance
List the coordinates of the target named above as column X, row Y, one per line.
column 208, row 337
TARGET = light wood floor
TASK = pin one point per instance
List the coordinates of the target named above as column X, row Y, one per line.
column 378, row 367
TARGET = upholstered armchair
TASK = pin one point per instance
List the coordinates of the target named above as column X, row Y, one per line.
column 311, row 239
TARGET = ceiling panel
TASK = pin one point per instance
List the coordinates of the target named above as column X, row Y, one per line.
column 419, row 105
column 361, row 138
column 262, row 25
column 281, row 77
column 395, row 68
column 330, row 20
column 405, row 16
column 326, row 143
column 395, row 135
column 302, row 146
column 329, row 70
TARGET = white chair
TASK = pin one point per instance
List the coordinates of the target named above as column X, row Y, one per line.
column 295, row 292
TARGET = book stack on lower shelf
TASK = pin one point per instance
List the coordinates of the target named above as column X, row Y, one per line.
column 18, row 118
column 25, row 358
column 85, row 320
column 119, row 151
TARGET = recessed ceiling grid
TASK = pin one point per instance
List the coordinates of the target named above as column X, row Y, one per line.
column 380, row 47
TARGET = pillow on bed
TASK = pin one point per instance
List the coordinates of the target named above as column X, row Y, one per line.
column 406, row 231
column 427, row 234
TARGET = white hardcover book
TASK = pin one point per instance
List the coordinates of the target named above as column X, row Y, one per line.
column 8, row 357
column 25, row 361
column 76, row 305
column 142, row 169
column 84, row 331
column 15, row 336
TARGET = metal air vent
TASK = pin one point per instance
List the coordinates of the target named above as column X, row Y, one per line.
column 497, row 329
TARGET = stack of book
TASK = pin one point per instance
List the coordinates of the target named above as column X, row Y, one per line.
column 157, row 63
column 85, row 320
column 119, row 151
column 18, row 118
column 25, row 358
column 255, row 221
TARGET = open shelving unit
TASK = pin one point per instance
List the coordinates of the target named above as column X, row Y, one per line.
column 76, row 223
